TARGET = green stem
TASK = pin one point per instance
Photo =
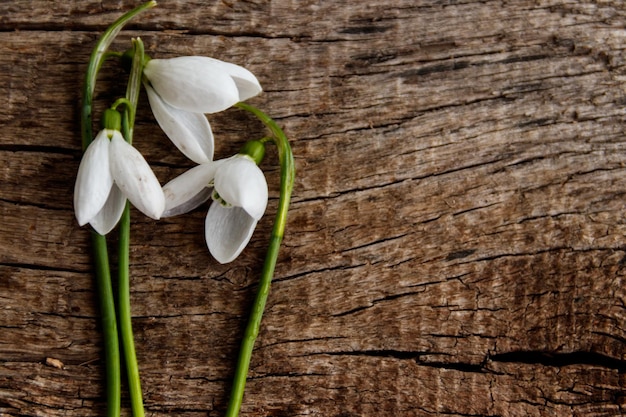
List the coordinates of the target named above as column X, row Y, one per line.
column 98, row 55
column 101, row 261
column 109, row 324
column 101, row 258
column 126, row 328
column 134, row 87
column 287, row 176
column 125, row 317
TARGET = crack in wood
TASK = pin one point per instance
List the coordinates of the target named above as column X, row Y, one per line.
column 561, row 359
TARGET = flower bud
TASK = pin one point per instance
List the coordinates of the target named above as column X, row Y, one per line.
column 255, row 149
column 112, row 120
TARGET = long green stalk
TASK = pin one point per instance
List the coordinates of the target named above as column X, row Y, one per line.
column 125, row 317
column 287, row 175
column 109, row 325
column 101, row 259
column 126, row 329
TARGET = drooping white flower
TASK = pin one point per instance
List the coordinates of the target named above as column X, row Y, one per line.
column 110, row 172
column 240, row 195
column 182, row 89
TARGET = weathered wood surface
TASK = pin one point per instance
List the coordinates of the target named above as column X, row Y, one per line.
column 456, row 241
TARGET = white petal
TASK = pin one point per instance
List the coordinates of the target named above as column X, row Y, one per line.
column 187, row 186
column 241, row 182
column 195, row 202
column 135, row 178
column 94, row 180
column 193, row 84
column 227, row 231
column 190, row 132
column 247, row 83
column 111, row 213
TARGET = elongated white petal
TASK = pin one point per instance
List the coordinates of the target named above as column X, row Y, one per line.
column 111, row 212
column 227, row 231
column 187, row 186
column 240, row 182
column 247, row 84
column 135, row 178
column 193, row 84
column 190, row 132
column 94, row 180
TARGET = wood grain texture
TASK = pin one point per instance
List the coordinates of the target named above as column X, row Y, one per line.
column 456, row 243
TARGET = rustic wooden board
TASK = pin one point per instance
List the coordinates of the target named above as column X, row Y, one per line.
column 456, row 243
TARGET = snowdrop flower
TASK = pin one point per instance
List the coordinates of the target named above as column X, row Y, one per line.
column 180, row 90
column 240, row 194
column 110, row 172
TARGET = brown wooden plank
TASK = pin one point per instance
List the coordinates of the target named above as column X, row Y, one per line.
column 456, row 242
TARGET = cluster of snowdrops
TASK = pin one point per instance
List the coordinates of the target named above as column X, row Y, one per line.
column 113, row 173
column 180, row 92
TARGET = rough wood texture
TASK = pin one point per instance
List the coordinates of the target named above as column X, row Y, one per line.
column 456, row 244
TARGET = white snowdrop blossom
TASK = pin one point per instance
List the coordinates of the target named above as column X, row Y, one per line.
column 239, row 190
column 180, row 90
column 110, row 172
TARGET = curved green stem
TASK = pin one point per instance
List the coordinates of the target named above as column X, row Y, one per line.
column 125, row 317
column 287, row 176
column 128, row 106
column 101, row 258
column 98, row 55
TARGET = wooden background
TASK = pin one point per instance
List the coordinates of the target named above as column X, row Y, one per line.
column 456, row 240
